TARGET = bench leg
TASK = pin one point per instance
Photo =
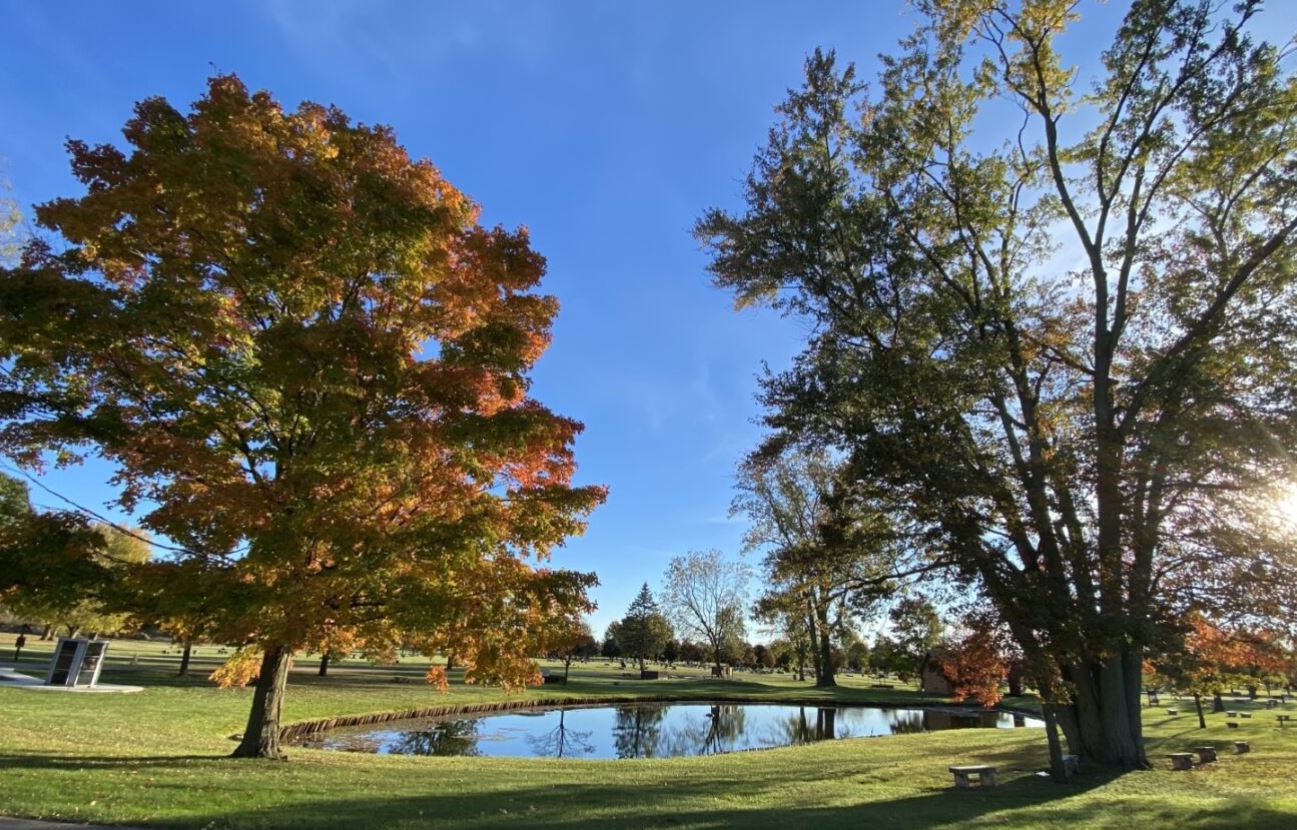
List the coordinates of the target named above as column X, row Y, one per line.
column 988, row 778
column 961, row 781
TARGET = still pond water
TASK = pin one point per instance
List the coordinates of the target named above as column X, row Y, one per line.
column 648, row 730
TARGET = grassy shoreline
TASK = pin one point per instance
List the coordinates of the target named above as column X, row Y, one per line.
column 158, row 759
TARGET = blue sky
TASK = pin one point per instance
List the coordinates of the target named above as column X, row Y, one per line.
column 605, row 127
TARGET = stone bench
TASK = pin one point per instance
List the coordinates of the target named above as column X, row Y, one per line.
column 1231, row 714
column 1271, row 703
column 985, row 775
column 1206, row 754
column 1181, row 760
column 1245, row 714
column 1241, row 747
column 1232, row 724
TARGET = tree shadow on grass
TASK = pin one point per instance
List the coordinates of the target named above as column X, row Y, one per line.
column 66, row 762
column 699, row 796
column 581, row 806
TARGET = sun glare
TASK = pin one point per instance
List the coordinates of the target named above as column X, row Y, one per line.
column 1285, row 504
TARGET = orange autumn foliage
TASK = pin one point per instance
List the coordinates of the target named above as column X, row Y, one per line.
column 310, row 366
column 975, row 665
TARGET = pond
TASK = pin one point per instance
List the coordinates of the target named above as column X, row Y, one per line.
column 648, row 730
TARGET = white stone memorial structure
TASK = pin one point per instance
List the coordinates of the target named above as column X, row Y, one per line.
column 76, row 662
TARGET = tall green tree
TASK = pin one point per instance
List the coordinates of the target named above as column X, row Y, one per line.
column 65, row 571
column 309, row 363
column 611, row 644
column 830, row 552
column 15, row 501
column 1066, row 355
column 917, row 628
column 644, row 631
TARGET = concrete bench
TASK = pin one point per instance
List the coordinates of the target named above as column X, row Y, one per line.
column 1206, row 754
column 1231, row 714
column 985, row 775
column 1241, row 747
column 1231, row 724
column 1271, row 703
column 1181, row 760
column 1245, row 714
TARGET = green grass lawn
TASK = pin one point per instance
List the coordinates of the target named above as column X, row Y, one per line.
column 158, row 759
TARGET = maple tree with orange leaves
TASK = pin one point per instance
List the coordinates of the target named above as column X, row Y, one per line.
column 1212, row 658
column 309, row 363
column 976, row 664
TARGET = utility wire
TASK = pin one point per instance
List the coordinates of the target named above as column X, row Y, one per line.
column 100, row 517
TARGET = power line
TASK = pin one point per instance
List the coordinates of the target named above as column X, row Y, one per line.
column 100, row 517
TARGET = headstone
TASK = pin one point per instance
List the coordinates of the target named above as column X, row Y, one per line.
column 76, row 662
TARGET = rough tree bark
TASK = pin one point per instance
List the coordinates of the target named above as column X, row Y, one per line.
column 1107, row 713
column 825, row 677
column 261, row 737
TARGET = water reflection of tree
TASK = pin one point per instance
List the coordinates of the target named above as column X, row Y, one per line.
column 908, row 723
column 638, row 731
column 561, row 742
column 800, row 728
column 718, row 731
column 452, row 737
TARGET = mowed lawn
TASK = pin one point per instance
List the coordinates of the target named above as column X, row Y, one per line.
column 158, row 759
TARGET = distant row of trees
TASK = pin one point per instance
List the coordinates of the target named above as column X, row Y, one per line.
column 704, row 599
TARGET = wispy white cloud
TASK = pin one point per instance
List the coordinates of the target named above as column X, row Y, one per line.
column 349, row 38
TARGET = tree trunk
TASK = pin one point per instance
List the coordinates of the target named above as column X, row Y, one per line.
column 1015, row 679
column 814, row 635
column 824, row 679
column 1109, row 730
column 1217, row 703
column 184, row 659
column 324, row 663
column 47, row 633
column 261, row 737
column 1057, row 769
column 1202, row 720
